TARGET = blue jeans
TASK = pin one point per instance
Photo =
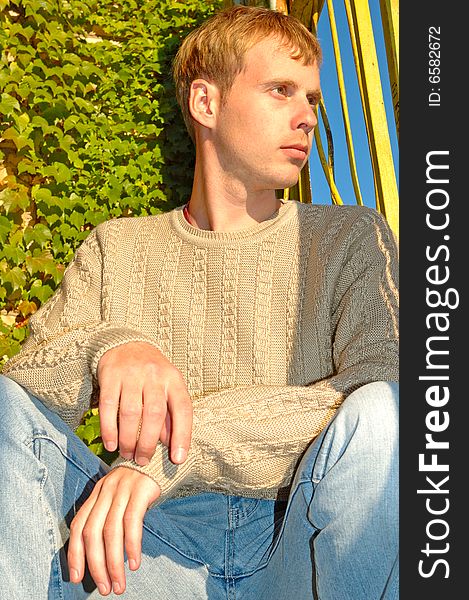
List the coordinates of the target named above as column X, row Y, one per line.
column 335, row 539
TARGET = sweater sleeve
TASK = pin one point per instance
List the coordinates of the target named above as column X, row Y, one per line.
column 68, row 335
column 248, row 440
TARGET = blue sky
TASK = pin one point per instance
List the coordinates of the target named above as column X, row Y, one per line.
column 320, row 189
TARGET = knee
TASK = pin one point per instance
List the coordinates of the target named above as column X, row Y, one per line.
column 13, row 400
column 372, row 413
column 377, row 401
column 363, row 435
column 8, row 389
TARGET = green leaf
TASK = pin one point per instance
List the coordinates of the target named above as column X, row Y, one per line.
column 28, row 32
column 39, row 234
column 16, row 277
column 70, row 122
column 38, row 121
column 41, row 263
column 5, row 228
column 22, row 121
column 19, row 333
column 62, row 172
column 89, row 433
column 9, row 347
column 41, row 194
column 94, row 420
column 84, row 105
column 12, row 199
column 8, row 104
column 77, row 219
column 97, row 448
column 70, row 70
column 28, row 166
column 14, row 253
column 10, row 133
column 19, row 140
column 41, row 292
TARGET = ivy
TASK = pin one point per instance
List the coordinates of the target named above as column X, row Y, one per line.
column 89, row 130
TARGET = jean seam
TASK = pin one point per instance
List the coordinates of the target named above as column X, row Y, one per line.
column 252, row 509
column 266, row 561
column 287, row 512
column 178, row 550
column 233, row 518
column 68, row 456
column 55, row 555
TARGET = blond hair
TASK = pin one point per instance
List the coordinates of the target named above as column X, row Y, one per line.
column 215, row 51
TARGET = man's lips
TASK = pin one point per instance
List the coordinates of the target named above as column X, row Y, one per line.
column 296, row 151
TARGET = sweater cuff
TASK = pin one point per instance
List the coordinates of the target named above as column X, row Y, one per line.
column 167, row 475
column 106, row 339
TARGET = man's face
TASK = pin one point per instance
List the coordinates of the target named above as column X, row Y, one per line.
column 265, row 127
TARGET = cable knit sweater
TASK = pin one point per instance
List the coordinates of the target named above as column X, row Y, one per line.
column 271, row 327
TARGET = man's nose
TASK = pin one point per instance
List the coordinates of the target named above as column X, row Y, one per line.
column 305, row 117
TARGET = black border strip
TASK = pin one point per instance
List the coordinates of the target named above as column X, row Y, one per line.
column 434, row 316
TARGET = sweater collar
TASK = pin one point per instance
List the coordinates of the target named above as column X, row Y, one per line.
column 203, row 236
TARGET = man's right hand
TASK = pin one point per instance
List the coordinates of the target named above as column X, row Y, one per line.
column 138, row 383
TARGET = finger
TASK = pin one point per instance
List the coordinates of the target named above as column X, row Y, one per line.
column 113, row 535
column 165, row 433
column 76, row 555
column 153, row 417
column 109, row 394
column 180, row 408
column 76, row 547
column 133, row 525
column 130, row 414
column 93, row 540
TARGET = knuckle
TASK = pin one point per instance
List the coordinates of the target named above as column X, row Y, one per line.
column 154, row 411
column 87, row 533
column 131, row 411
column 152, row 369
column 115, row 572
column 145, row 452
column 114, row 569
column 126, row 449
column 106, row 402
column 73, row 558
column 109, row 530
column 130, row 518
column 76, row 528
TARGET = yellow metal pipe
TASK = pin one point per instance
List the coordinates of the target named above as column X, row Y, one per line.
column 366, row 62
column 343, row 102
column 356, row 59
column 335, row 196
column 390, row 20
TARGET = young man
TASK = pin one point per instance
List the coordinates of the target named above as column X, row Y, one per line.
column 230, row 330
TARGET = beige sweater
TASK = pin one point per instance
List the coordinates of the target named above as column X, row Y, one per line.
column 271, row 327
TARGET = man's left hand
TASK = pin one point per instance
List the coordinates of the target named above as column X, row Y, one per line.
column 113, row 513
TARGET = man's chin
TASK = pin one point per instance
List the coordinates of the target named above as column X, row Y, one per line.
column 287, row 182
column 281, row 179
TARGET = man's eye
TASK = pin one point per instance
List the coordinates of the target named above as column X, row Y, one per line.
column 281, row 89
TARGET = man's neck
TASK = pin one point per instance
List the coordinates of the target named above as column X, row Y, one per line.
column 220, row 202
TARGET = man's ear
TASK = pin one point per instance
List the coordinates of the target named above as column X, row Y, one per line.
column 204, row 100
